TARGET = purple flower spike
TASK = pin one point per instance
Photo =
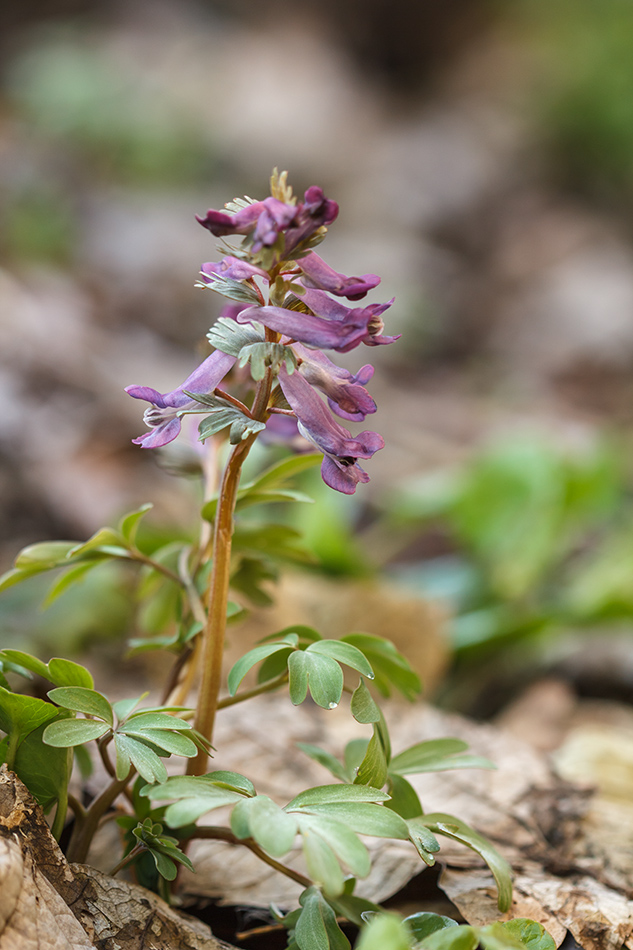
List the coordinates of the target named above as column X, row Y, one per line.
column 325, row 334
column 163, row 415
column 340, row 469
column 345, row 392
column 320, row 275
column 233, row 269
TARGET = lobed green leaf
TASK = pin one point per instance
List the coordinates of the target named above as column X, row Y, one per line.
column 84, row 700
column 322, row 675
column 262, row 819
column 458, row 830
column 344, row 653
column 364, row 818
column 363, row 707
column 436, row 755
column 250, row 659
column 316, row 928
column 326, row 794
column 71, row 732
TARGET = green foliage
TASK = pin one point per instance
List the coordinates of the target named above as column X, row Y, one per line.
column 163, row 848
column 427, row 931
column 452, row 827
column 583, row 94
column 543, row 543
column 141, row 738
column 126, row 129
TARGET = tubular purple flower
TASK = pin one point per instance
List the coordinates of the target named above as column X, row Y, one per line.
column 320, row 275
column 233, row 268
column 340, row 469
column 324, row 306
column 163, row 415
column 345, row 392
column 325, row 334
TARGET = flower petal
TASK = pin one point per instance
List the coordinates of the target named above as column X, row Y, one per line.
column 160, row 435
column 233, row 268
column 343, row 478
column 320, row 275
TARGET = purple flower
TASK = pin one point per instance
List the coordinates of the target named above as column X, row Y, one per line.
column 269, row 218
column 320, row 275
column 331, row 326
column 307, row 328
column 324, row 306
column 163, row 415
column 340, row 469
column 346, row 393
column 232, row 268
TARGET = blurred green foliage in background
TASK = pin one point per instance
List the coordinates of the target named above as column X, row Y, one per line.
column 583, row 96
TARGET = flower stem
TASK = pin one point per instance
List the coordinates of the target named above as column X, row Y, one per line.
column 224, row 834
column 211, row 641
column 86, row 828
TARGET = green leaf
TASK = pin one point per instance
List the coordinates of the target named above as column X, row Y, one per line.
column 362, row 706
column 124, row 707
column 316, row 928
column 281, row 472
column 452, row 827
column 278, row 541
column 404, row 798
column 342, row 840
column 19, row 716
column 164, row 865
column 233, row 289
column 424, row 924
column 67, row 673
column 103, row 541
column 343, row 653
column 70, row 577
column 373, row 769
column 233, row 781
column 144, row 759
column 437, row 755
column 390, row 667
column 70, row 732
column 326, row 794
column 277, row 497
column 144, row 719
column 322, row 865
column 30, row 663
column 530, row 934
column 250, row 659
column 45, row 555
column 82, row 699
column 197, row 794
column 496, row 937
column 451, row 938
column 363, row 818
column 320, row 674
column 229, row 337
column 14, row 576
column 44, row 770
column 173, row 742
column 267, row 355
column 223, row 414
column 271, row 826
column 384, row 932
column 129, row 523
column 324, row 758
column 425, row 842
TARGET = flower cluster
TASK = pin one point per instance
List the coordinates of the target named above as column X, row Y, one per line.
column 288, row 307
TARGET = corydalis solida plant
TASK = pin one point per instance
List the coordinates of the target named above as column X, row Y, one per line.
column 267, row 371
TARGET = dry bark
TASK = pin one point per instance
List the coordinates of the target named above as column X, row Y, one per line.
column 47, row 904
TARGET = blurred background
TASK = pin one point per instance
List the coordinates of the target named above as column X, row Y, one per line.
column 482, row 156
